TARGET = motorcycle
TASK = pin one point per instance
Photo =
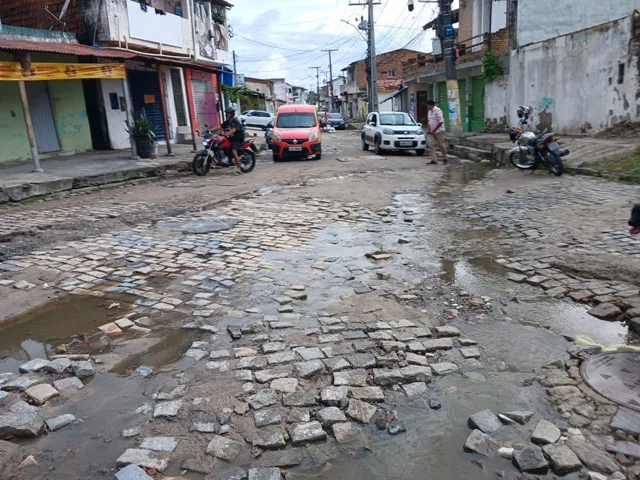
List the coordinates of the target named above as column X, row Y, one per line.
column 217, row 149
column 534, row 150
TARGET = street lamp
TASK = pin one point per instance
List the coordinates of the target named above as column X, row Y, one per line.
column 357, row 29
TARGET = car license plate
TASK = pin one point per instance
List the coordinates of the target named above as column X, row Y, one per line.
column 554, row 146
column 406, row 144
column 295, row 149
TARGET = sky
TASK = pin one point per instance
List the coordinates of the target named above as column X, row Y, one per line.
column 283, row 38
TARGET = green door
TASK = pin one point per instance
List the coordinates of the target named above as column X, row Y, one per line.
column 477, row 104
column 443, row 103
column 462, row 94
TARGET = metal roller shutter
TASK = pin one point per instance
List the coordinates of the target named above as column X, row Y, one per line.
column 145, row 95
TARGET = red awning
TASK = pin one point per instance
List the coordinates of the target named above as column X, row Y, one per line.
column 64, row 49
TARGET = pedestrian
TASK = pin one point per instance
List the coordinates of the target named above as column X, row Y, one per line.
column 435, row 132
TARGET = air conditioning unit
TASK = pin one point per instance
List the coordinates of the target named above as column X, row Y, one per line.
column 436, row 46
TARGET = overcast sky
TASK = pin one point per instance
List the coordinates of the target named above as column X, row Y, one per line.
column 283, row 38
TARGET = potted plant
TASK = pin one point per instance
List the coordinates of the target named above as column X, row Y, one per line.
column 143, row 135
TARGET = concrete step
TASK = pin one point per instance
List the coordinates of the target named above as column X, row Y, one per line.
column 471, row 153
column 473, row 143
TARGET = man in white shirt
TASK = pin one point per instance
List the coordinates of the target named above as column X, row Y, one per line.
column 435, row 132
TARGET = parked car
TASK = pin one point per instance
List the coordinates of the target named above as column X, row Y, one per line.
column 268, row 135
column 256, row 118
column 393, row 131
column 336, row 121
column 296, row 133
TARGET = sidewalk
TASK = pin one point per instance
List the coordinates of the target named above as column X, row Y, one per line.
column 17, row 182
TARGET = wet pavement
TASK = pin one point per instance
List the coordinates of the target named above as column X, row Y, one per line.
column 298, row 295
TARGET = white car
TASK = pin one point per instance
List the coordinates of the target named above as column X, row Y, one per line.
column 256, row 118
column 393, row 131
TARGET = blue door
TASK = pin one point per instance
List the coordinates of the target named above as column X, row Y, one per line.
column 145, row 95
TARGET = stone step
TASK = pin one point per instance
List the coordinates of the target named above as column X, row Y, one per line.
column 471, row 153
column 479, row 145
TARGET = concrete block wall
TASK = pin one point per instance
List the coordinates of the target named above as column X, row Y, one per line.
column 32, row 14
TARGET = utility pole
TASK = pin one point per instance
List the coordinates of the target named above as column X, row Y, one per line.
column 447, row 35
column 371, row 36
column 235, row 82
column 330, row 76
column 317, row 69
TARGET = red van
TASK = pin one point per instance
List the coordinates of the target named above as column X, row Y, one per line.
column 296, row 133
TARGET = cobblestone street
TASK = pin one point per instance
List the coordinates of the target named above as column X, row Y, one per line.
column 358, row 317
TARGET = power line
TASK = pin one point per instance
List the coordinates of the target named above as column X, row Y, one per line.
column 304, row 52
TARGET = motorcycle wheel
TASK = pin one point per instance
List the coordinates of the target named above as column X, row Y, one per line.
column 200, row 165
column 554, row 163
column 521, row 160
column 247, row 160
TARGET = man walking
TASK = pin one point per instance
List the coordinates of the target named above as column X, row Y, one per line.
column 435, row 132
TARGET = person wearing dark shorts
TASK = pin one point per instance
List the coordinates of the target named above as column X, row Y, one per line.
column 232, row 128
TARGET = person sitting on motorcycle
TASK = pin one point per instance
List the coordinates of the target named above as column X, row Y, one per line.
column 232, row 128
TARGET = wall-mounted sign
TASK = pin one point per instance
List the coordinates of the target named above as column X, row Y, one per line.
column 12, row 71
column 149, row 99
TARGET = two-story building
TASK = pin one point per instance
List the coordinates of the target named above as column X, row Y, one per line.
column 482, row 28
column 353, row 92
column 287, row 93
column 262, row 94
column 175, row 54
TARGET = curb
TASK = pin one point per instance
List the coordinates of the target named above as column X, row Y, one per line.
column 17, row 193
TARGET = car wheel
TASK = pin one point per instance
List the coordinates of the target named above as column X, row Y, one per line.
column 276, row 158
column 377, row 147
column 420, row 152
column 318, row 156
column 365, row 145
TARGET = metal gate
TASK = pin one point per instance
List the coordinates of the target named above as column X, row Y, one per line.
column 145, row 96
column 178, row 97
column 205, row 102
column 44, row 124
column 477, row 104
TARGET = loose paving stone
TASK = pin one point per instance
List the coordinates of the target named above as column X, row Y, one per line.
column 296, row 295
column 159, row 444
column 345, row 432
column 273, row 347
column 308, row 369
column 132, row 472
column 386, row 376
column 414, row 389
column 361, row 411
column 562, row 459
column 336, row 364
column 605, row 311
column 34, row 365
column 362, row 360
column 329, row 415
column 60, row 421
column 368, row 394
column 218, row 354
column 434, row 404
column 41, row 393
column 284, row 385
column 144, row 458
column 244, row 352
column 124, row 323
column 467, row 342
column 485, row 421
column 592, row 457
column 303, row 433
column 29, row 424
column 338, row 350
column 335, row 396
column 481, row 443
column 415, row 373
column 438, row 344
column 83, row 370
column 269, row 438
column 195, row 353
column 280, row 358
column 354, row 378
column 381, row 335
column 416, row 347
column 21, row 383
column 530, row 460
column 626, row 421
column 421, row 332
column 630, row 449
column 204, row 427
column 264, row 474
column 545, row 432
column 263, row 398
column 447, row 331
column 253, row 363
column 267, row 416
column 444, row 368
column 131, row 432
column 516, row 277
column 521, row 417
column 396, row 427
column 234, row 332
column 111, row 329
column 299, row 399
column 470, row 352
column 298, row 415
column 221, row 366
column 23, row 407
column 167, row 409
column 285, row 459
column 266, row 376
column 58, row 366
column 224, row 448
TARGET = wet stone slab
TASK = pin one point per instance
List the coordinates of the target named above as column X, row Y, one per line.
column 167, row 409
column 308, row 433
column 144, row 458
column 60, row 421
column 159, row 444
column 355, row 378
column 224, row 448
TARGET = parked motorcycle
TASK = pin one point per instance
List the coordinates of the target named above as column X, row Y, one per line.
column 217, row 149
column 534, row 150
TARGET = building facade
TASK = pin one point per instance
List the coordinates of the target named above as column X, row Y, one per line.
column 262, row 93
column 174, row 52
column 482, row 28
column 577, row 68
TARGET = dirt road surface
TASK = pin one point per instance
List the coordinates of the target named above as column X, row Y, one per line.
column 355, row 317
